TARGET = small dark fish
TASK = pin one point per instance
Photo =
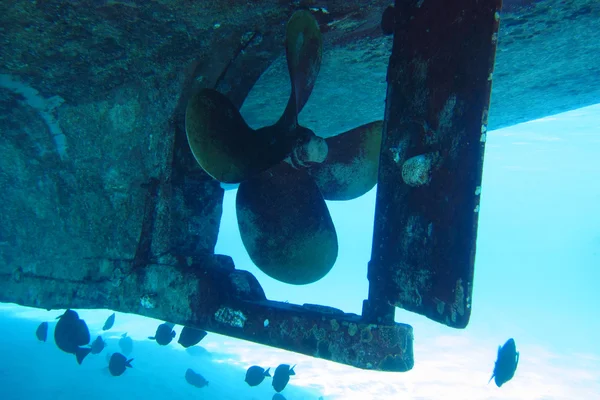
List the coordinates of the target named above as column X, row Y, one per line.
column 164, row 334
column 71, row 333
column 126, row 344
column 278, row 396
column 118, row 364
column 42, row 332
column 98, row 345
column 198, row 351
column 255, row 375
column 195, row 379
column 506, row 364
column 190, row 336
column 281, row 377
column 110, row 321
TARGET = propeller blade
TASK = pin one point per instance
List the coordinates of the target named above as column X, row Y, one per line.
column 224, row 145
column 285, row 225
column 303, row 49
column 351, row 167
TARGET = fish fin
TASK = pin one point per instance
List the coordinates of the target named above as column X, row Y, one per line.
column 152, row 337
column 128, row 363
column 267, row 372
column 81, row 353
column 517, row 361
column 173, row 334
column 124, row 335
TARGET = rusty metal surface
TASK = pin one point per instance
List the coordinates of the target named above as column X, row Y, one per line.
column 214, row 296
column 439, row 82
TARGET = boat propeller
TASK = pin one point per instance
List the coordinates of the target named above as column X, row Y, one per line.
column 285, row 171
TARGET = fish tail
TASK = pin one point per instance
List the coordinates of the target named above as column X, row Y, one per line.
column 128, row 363
column 267, row 372
column 491, row 379
column 81, row 353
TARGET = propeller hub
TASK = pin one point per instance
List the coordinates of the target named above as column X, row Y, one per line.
column 313, row 150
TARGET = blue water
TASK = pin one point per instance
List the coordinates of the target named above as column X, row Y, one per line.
column 536, row 276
